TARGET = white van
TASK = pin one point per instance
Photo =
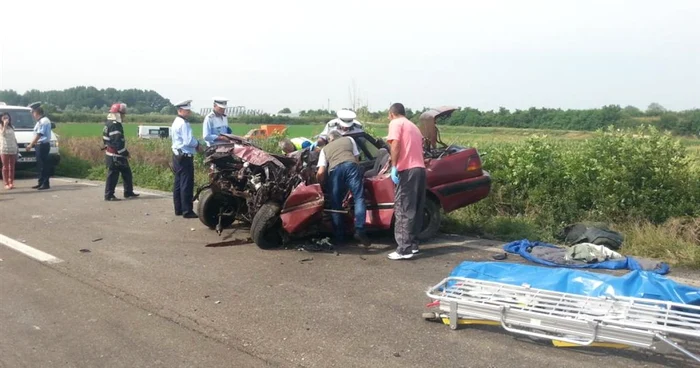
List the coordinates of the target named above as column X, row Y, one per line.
column 152, row 131
column 24, row 123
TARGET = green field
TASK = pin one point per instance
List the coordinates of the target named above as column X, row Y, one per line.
column 473, row 136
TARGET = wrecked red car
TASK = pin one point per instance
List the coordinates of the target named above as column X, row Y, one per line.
column 278, row 196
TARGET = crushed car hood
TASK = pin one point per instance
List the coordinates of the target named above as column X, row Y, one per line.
column 247, row 152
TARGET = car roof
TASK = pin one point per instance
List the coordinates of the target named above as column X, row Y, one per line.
column 4, row 106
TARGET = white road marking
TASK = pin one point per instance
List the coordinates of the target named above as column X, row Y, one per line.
column 28, row 251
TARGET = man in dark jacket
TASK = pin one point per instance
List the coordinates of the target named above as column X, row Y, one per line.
column 116, row 155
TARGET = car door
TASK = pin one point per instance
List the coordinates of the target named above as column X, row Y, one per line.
column 303, row 207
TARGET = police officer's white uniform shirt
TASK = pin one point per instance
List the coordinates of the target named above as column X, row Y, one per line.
column 213, row 126
column 182, row 137
column 43, row 127
column 330, row 126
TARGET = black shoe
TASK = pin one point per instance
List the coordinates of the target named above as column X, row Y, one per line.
column 131, row 195
column 43, row 187
column 363, row 239
column 178, row 213
column 190, row 215
column 112, row 199
column 36, row 186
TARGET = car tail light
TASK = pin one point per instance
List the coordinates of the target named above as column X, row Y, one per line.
column 474, row 163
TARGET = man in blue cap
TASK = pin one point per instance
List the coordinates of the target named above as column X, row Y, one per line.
column 184, row 148
column 42, row 139
column 216, row 122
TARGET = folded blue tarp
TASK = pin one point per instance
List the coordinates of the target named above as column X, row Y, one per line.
column 637, row 284
column 627, row 263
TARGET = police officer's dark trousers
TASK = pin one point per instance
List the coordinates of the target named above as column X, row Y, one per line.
column 43, row 163
column 115, row 166
column 183, row 187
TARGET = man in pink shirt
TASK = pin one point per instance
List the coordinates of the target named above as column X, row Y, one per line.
column 408, row 173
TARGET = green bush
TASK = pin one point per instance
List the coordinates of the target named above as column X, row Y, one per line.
column 617, row 176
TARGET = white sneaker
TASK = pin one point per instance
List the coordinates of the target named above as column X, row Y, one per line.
column 394, row 256
column 415, row 251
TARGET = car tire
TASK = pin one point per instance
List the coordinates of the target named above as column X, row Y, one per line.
column 266, row 228
column 431, row 220
column 208, row 210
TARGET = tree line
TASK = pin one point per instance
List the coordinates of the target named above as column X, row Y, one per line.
column 678, row 122
column 90, row 99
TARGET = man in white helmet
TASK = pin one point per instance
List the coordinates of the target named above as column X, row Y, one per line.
column 346, row 122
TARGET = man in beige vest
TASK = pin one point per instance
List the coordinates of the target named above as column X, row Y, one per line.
column 339, row 159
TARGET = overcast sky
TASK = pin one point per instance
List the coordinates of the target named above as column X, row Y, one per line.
column 298, row 54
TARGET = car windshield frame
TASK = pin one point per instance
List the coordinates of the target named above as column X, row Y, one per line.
column 21, row 119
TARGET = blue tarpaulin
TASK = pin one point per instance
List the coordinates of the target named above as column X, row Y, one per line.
column 637, row 284
column 627, row 263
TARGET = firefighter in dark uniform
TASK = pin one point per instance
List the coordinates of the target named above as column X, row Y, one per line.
column 116, row 154
column 184, row 147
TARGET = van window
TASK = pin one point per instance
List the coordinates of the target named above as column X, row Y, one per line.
column 21, row 119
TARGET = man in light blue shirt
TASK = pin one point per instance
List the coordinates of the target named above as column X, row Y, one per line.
column 184, row 148
column 42, row 141
column 215, row 122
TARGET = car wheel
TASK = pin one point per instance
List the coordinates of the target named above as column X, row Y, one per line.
column 266, row 228
column 431, row 220
column 208, row 209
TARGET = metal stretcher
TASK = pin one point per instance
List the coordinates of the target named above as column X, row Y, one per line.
column 567, row 319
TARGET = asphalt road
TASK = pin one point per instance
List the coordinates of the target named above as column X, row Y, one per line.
column 151, row 293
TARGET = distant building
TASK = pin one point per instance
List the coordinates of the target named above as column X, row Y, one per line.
column 233, row 111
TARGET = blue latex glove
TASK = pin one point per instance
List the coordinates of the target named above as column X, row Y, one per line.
column 394, row 175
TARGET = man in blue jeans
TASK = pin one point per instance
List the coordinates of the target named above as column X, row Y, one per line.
column 339, row 158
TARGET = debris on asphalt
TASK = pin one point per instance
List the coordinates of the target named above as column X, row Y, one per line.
column 84, row 250
column 0, row 259
column 317, row 245
column 96, row 239
column 36, row 216
column 500, row 256
column 217, row 302
column 206, row 296
column 192, row 229
column 230, row 243
column 397, row 355
column 363, row 258
column 306, row 260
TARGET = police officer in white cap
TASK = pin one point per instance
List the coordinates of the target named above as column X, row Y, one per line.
column 184, row 147
column 42, row 138
column 346, row 121
column 216, row 122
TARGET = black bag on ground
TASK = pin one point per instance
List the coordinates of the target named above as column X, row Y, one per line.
column 600, row 235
